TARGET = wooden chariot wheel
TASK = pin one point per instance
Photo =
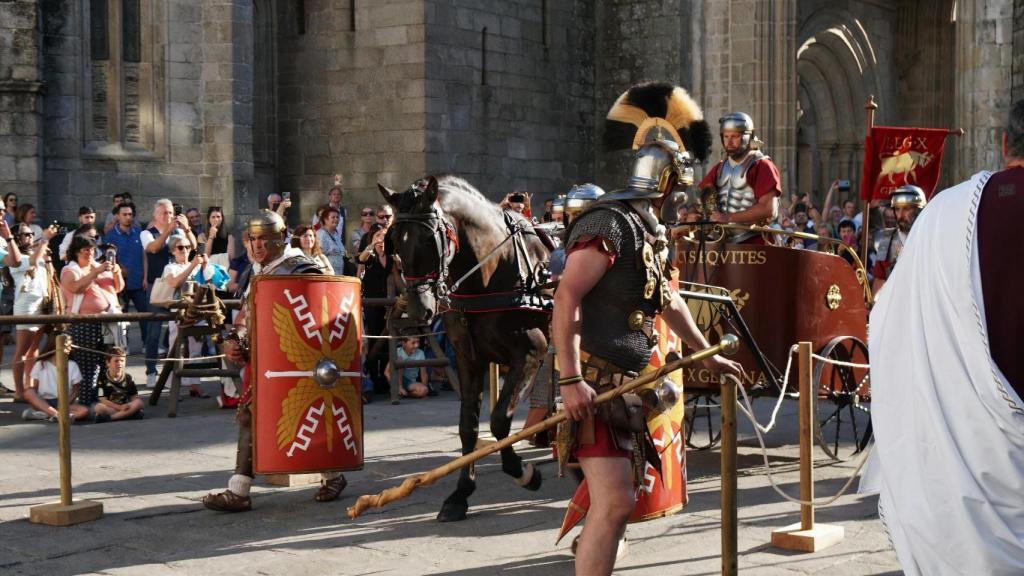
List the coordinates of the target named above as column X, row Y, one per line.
column 842, row 425
column 702, row 420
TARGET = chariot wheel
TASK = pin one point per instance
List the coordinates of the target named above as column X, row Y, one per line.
column 702, row 420
column 843, row 417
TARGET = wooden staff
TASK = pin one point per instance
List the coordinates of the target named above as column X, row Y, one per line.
column 728, row 345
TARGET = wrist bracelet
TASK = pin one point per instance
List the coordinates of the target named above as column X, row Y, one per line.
column 571, row 380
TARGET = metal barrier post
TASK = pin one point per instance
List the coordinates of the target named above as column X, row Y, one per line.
column 67, row 511
column 806, row 536
column 730, row 563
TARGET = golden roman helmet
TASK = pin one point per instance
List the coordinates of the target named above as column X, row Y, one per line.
column 667, row 131
column 908, row 196
column 266, row 223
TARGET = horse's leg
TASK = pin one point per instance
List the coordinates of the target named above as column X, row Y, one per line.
column 523, row 369
column 456, row 504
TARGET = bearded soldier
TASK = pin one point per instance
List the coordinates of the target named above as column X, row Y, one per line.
column 745, row 186
column 907, row 201
column 266, row 234
column 616, row 280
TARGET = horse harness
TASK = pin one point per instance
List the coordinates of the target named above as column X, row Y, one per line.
column 524, row 295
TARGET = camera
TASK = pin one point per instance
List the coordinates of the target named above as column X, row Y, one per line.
column 178, row 210
column 286, row 196
column 844, row 184
column 517, row 197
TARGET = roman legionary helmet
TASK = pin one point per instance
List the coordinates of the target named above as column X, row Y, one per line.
column 558, row 204
column 742, row 123
column 581, row 196
column 667, row 130
column 907, row 196
column 267, row 223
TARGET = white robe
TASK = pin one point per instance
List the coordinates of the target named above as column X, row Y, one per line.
column 949, row 429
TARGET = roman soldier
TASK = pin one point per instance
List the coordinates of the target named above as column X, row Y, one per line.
column 744, row 187
column 616, row 281
column 907, row 201
column 270, row 256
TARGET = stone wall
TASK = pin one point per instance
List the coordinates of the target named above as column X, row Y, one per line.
column 638, row 41
column 350, row 102
column 983, row 63
column 1017, row 91
column 20, row 100
column 510, row 94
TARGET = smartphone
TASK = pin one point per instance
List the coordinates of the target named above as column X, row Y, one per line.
column 177, row 210
column 517, row 198
column 110, row 255
column 844, row 184
column 286, row 196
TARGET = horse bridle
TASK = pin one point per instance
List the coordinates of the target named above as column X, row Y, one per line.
column 446, row 244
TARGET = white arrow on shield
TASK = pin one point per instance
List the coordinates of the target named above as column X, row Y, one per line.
column 307, row 374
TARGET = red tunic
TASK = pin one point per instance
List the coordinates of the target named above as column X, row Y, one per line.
column 1000, row 243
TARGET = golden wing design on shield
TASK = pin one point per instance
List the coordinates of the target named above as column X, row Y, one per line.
column 305, row 358
column 293, row 344
column 342, row 358
column 294, row 407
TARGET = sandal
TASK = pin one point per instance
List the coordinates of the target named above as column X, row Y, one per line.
column 227, row 501
column 330, row 489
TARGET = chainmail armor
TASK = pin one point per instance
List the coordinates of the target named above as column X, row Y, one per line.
column 606, row 308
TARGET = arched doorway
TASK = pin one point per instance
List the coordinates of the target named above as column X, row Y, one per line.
column 836, row 73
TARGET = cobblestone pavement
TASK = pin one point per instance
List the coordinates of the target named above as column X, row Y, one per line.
column 150, row 475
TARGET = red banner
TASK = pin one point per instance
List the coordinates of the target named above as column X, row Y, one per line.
column 894, row 156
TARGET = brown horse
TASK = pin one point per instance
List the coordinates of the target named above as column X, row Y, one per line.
column 466, row 258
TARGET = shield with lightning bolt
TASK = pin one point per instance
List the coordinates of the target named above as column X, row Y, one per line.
column 661, row 492
column 306, row 333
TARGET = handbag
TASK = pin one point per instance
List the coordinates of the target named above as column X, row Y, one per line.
column 162, row 293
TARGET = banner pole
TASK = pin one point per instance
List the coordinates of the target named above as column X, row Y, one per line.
column 869, row 109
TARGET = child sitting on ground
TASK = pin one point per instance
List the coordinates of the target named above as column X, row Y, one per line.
column 119, row 399
column 414, row 380
column 42, row 394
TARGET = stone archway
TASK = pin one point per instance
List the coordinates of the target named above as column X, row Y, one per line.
column 836, row 73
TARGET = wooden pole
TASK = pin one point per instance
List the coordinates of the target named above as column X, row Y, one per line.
column 63, row 406
column 65, row 512
column 806, row 419
column 869, row 109
column 806, row 536
column 729, row 344
column 730, row 564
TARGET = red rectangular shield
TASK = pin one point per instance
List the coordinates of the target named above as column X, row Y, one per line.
column 302, row 424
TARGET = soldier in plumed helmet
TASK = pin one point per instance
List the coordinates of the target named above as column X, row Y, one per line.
column 616, row 280
column 907, row 201
column 745, row 186
column 270, row 256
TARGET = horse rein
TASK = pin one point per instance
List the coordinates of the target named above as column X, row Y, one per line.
column 445, row 241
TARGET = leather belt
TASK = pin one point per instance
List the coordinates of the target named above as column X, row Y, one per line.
column 597, row 370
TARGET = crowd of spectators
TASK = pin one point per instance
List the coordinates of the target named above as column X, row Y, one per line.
column 110, row 263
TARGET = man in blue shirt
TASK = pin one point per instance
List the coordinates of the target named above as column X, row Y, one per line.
column 127, row 237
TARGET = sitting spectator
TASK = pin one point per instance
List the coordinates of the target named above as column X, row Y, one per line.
column 305, row 238
column 175, row 274
column 119, row 398
column 86, row 217
column 332, row 239
column 26, row 260
column 89, row 287
column 42, row 395
column 414, row 380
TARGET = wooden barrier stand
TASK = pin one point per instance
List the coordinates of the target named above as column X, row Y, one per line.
column 730, row 548
column 806, row 536
column 67, row 511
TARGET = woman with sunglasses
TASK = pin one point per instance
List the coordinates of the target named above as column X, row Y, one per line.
column 89, row 287
column 175, row 274
column 367, row 218
column 26, row 260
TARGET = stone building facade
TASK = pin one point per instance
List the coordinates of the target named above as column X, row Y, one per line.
column 220, row 103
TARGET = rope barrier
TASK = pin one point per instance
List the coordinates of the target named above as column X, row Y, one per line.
column 190, row 359
column 767, row 466
column 401, row 337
